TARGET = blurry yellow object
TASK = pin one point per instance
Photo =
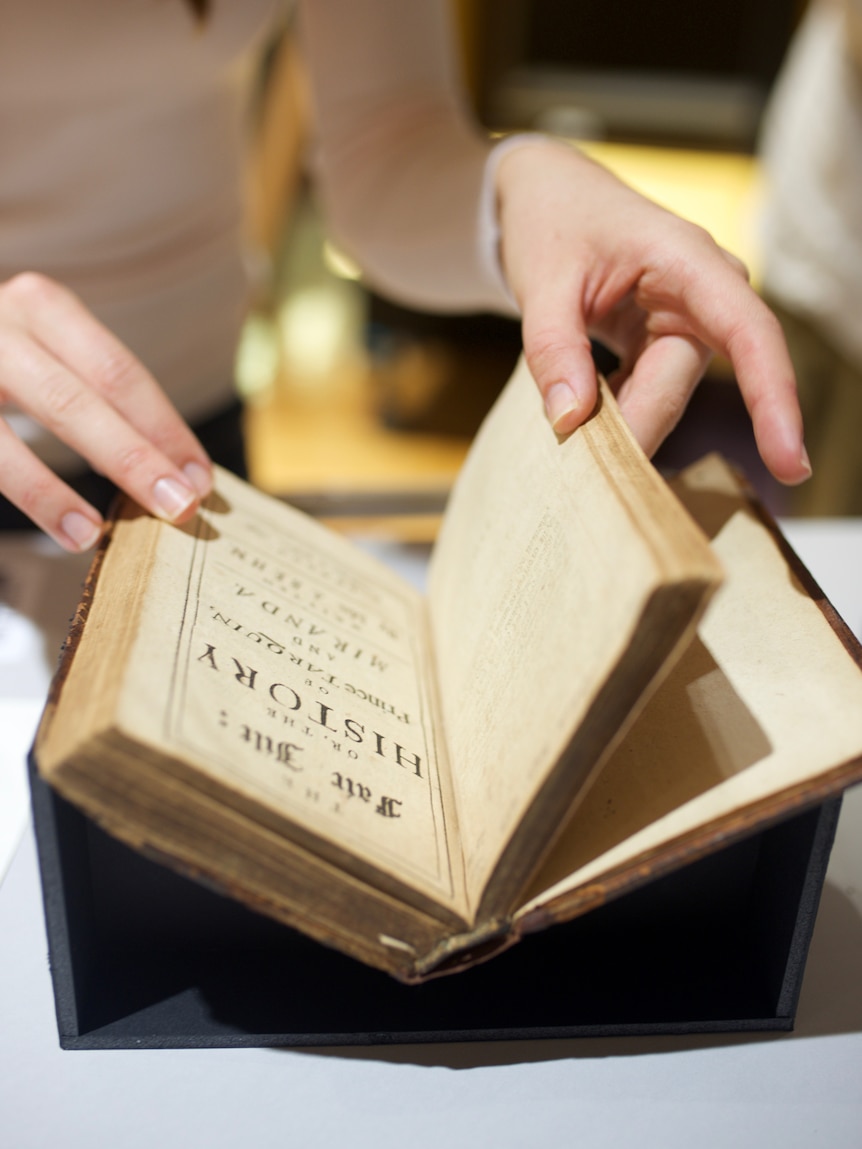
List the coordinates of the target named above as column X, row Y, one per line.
column 327, row 450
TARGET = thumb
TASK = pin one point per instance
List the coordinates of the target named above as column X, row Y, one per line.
column 558, row 353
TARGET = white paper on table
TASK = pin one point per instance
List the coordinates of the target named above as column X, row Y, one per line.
column 39, row 587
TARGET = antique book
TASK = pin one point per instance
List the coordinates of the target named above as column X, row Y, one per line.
column 607, row 678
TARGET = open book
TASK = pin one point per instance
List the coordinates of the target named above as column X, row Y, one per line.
column 420, row 780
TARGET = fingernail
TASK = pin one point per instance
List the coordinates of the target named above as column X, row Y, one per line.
column 806, row 462
column 80, row 530
column 172, row 498
column 199, row 477
column 560, row 401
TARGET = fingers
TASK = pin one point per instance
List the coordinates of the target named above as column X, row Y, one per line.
column 558, row 353
column 721, row 309
column 59, row 400
column 767, row 381
column 37, row 491
column 58, row 321
column 63, row 368
column 654, row 396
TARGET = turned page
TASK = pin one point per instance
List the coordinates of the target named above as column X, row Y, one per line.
column 282, row 670
column 550, row 557
column 764, row 706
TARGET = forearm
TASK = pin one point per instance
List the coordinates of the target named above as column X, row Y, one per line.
column 402, row 172
column 399, row 160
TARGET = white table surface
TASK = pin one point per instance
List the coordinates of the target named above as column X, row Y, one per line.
column 797, row 1090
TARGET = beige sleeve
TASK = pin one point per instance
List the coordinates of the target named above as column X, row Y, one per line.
column 401, row 164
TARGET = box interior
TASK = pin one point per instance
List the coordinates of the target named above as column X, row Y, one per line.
column 142, row 957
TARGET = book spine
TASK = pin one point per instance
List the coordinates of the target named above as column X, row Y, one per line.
column 76, row 625
column 460, row 951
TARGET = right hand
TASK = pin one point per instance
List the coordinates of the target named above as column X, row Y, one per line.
column 586, row 255
column 62, row 367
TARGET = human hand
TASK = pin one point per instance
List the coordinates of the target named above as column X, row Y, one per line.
column 59, row 365
column 586, row 255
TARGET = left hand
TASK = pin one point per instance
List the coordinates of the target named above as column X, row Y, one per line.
column 586, row 255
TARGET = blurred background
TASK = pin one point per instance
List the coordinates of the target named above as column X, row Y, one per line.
column 362, row 411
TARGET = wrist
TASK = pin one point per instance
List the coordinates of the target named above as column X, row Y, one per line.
column 490, row 215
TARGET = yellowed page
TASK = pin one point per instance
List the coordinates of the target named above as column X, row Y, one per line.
column 548, row 562
column 290, row 674
column 765, row 703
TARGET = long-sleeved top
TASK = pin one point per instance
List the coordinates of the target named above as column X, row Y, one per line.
column 812, row 151
column 123, row 133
